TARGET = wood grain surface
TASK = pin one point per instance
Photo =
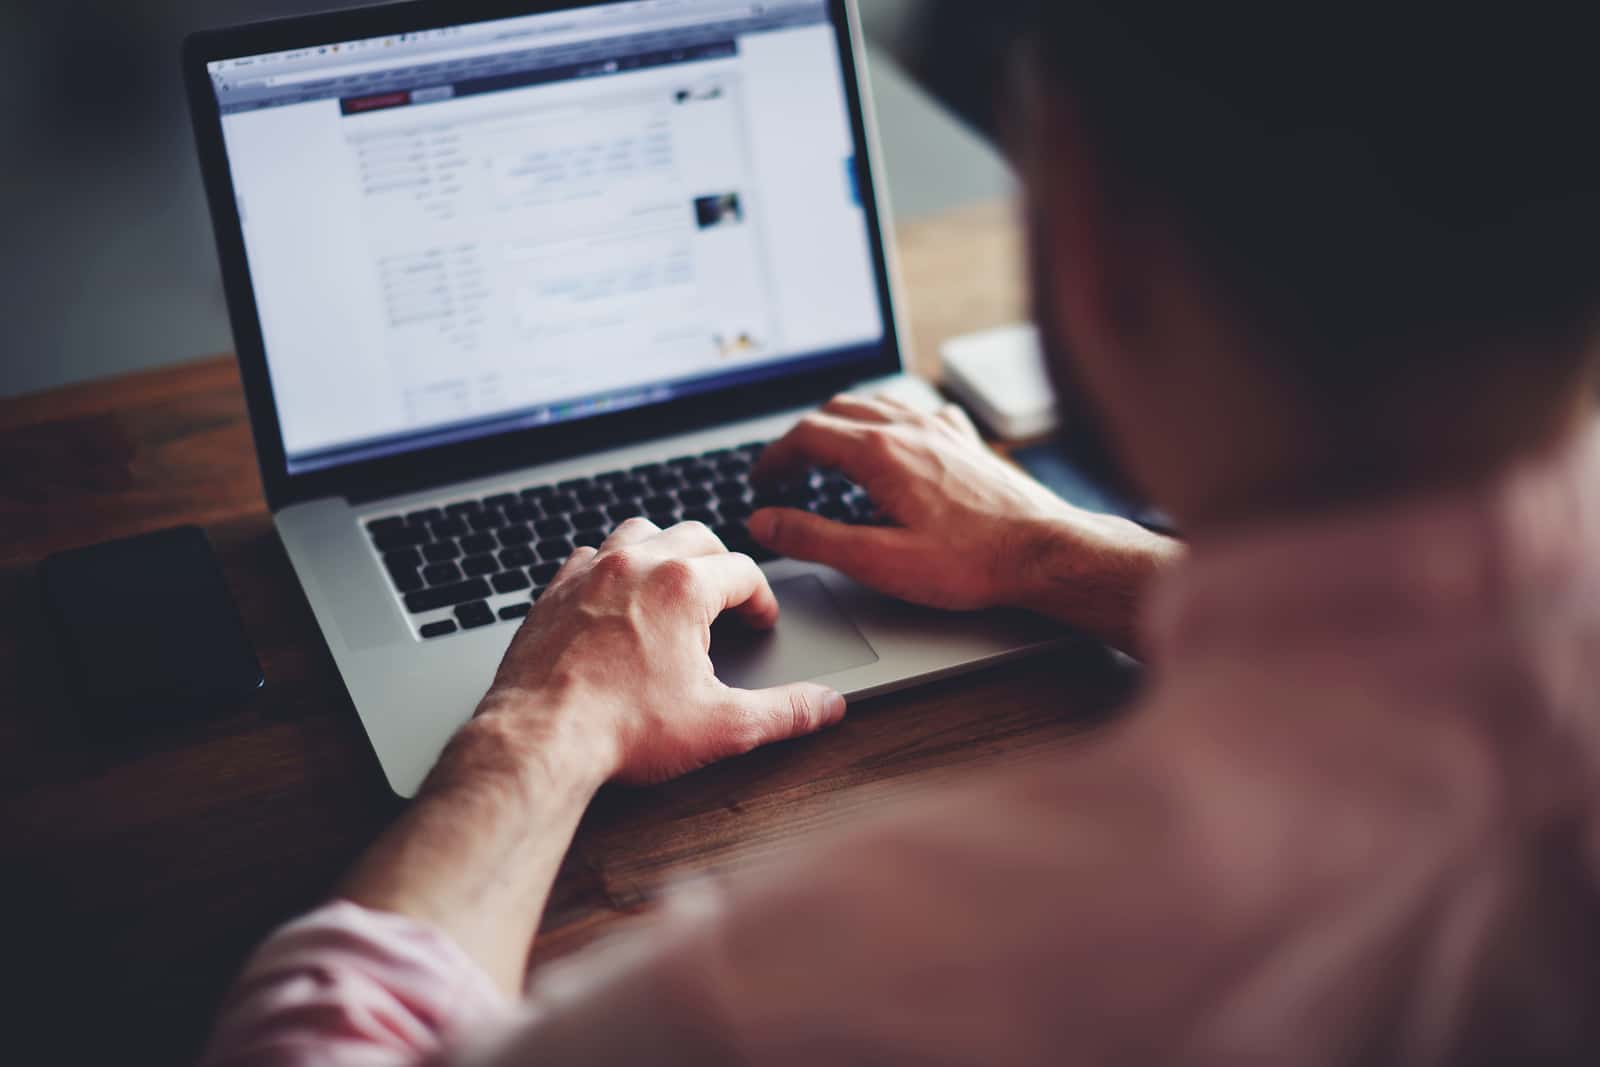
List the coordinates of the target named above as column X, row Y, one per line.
column 138, row 876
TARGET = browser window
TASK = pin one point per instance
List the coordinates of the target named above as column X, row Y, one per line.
column 514, row 223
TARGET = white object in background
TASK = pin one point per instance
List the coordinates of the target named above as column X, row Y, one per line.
column 1000, row 375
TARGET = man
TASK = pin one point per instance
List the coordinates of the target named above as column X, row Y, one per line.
column 1329, row 287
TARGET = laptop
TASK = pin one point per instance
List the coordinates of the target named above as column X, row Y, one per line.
column 504, row 275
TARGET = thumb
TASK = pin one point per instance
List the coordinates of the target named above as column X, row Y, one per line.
column 787, row 712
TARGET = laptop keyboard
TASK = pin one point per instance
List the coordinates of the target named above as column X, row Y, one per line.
column 467, row 564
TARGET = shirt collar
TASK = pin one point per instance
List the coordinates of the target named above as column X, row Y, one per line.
column 1517, row 543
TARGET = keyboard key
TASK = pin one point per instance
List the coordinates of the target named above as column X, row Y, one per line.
column 555, row 550
column 589, row 538
column 682, row 461
column 510, row 582
column 733, row 535
column 447, row 529
column 404, row 537
column 478, row 544
column 610, row 477
column 442, row 628
column 406, row 579
column 403, row 558
column 664, row 480
column 425, row 517
column 538, row 493
column 698, row 474
column 475, row 615
column 382, row 526
column 442, row 574
column 594, row 497
column 731, row 490
column 738, row 539
column 522, row 513
column 591, row 520
column 660, row 505
column 632, row 487
column 492, row 519
column 786, row 496
column 625, row 509
column 561, row 504
column 479, row 566
column 515, row 611
column 703, row 515
column 735, row 467
column 463, row 508
column 517, row 535
column 644, row 470
column 520, row 556
column 441, row 551
column 500, row 500
column 694, row 498
column 447, row 596
column 836, row 484
column 556, row 527
column 572, row 485
column 735, row 510
column 544, row 573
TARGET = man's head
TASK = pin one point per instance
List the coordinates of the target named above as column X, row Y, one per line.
column 1345, row 249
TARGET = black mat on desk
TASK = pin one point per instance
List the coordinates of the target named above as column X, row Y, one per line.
column 1053, row 465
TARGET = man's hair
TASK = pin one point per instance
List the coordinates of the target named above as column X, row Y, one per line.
column 1373, row 180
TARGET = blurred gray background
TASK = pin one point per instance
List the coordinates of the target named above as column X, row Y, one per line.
column 108, row 259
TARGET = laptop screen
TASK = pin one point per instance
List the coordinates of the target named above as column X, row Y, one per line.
column 513, row 223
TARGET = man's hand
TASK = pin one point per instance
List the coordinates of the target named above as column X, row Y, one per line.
column 618, row 646
column 608, row 679
column 971, row 531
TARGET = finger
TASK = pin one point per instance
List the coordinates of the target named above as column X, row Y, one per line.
column 863, row 409
column 897, row 405
column 630, row 532
column 956, row 416
column 871, row 554
column 771, row 715
column 734, row 583
column 687, row 540
column 818, row 440
column 578, row 560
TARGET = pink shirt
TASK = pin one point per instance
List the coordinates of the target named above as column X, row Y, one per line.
column 1353, row 821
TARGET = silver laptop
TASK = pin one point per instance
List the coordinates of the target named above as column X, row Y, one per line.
column 502, row 276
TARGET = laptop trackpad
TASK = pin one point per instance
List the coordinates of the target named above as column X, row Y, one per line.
column 813, row 639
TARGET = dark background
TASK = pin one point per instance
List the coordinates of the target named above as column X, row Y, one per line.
column 108, row 262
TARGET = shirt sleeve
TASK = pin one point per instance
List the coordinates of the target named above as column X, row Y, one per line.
column 985, row 924
column 349, row 987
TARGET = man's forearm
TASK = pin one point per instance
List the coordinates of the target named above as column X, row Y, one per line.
column 477, row 852
column 1092, row 573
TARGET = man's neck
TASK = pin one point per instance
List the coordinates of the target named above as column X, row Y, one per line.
column 1417, row 438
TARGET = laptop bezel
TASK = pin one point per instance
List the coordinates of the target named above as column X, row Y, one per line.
column 444, row 464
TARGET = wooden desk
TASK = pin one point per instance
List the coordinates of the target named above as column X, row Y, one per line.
column 138, row 877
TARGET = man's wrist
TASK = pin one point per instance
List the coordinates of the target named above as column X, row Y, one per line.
column 1090, row 571
column 545, row 745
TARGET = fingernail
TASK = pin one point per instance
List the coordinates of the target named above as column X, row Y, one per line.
column 761, row 525
column 833, row 706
